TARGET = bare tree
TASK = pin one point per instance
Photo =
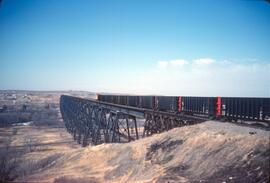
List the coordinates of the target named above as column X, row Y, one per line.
column 7, row 163
column 31, row 143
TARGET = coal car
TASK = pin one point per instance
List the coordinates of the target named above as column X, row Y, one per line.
column 227, row 108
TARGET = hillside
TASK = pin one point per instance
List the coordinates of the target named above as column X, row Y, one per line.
column 207, row 152
column 41, row 107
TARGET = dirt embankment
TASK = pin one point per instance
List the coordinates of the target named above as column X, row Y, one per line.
column 207, row 152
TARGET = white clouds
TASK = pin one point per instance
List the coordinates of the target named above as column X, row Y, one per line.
column 203, row 61
column 162, row 64
column 206, row 77
column 200, row 77
column 225, row 62
column 179, row 62
column 172, row 63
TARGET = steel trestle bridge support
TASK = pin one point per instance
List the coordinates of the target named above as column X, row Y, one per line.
column 95, row 122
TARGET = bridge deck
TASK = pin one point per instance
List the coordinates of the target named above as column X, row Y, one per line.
column 93, row 122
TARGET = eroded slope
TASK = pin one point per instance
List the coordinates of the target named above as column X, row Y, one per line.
column 207, row 152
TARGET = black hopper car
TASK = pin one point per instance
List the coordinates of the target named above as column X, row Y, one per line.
column 227, row 108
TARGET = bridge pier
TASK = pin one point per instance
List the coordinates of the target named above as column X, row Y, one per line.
column 91, row 123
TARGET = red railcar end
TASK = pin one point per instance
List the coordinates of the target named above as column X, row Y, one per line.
column 218, row 107
column 179, row 104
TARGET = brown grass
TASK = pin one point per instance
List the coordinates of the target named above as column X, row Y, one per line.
column 207, row 152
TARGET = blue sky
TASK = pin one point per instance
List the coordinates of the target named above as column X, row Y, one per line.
column 173, row 47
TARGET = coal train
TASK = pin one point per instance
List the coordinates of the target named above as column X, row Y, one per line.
column 224, row 108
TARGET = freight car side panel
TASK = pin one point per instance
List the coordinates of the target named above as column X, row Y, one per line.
column 246, row 108
column 133, row 101
column 168, row 104
column 266, row 109
column 147, row 102
column 199, row 105
column 122, row 99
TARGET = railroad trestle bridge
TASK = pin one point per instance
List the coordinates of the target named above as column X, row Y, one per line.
column 94, row 122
